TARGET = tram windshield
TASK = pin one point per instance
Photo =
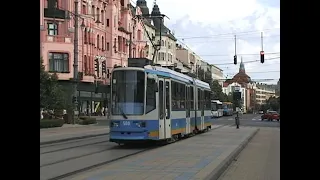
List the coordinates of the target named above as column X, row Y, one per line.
column 128, row 92
column 214, row 106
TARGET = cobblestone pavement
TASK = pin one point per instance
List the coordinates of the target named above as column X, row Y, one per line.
column 71, row 131
column 192, row 158
column 260, row 160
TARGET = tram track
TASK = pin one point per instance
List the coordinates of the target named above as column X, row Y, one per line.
column 129, row 151
column 72, row 147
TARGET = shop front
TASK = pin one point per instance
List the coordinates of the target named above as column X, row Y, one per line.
column 92, row 98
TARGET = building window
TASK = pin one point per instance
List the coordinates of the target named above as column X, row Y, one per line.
column 139, row 35
column 84, row 9
column 52, row 29
column 59, row 62
column 107, row 22
column 98, row 41
column 102, row 43
column 86, row 69
column 52, row 4
column 98, row 15
column 85, row 36
column 93, row 12
column 102, row 17
column 108, row 46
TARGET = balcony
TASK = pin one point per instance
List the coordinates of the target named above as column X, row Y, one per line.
column 59, row 39
column 54, row 13
column 192, row 58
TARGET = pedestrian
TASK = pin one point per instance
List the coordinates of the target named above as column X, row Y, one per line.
column 102, row 111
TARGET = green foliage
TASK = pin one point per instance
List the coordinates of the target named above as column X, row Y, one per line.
column 272, row 103
column 51, row 94
column 50, row 123
column 216, row 88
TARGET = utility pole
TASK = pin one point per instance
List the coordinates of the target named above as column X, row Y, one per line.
column 262, row 52
column 235, row 45
column 235, row 50
column 75, row 62
column 261, row 41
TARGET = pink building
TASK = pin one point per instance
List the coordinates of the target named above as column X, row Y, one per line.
column 108, row 34
column 125, row 33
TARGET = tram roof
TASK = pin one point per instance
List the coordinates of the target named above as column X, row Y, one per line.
column 175, row 75
column 169, row 73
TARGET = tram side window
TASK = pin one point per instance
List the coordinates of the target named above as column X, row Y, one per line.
column 192, row 98
column 199, row 99
column 187, row 97
column 207, row 101
column 182, row 97
column 150, row 95
column 178, row 95
column 174, row 96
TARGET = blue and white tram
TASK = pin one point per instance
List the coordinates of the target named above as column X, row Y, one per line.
column 155, row 103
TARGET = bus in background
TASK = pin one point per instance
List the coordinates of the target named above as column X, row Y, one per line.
column 216, row 108
column 227, row 108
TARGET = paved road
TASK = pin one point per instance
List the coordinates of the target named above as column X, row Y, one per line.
column 65, row 157
column 247, row 120
column 190, row 159
column 259, row 160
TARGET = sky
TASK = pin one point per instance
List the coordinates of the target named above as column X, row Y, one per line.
column 209, row 28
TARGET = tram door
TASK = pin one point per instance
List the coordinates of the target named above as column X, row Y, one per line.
column 188, row 105
column 167, row 121
column 161, row 109
column 202, row 108
column 193, row 108
column 164, row 109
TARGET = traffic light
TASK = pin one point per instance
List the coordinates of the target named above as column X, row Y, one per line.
column 96, row 66
column 235, row 59
column 104, row 68
column 236, row 96
column 262, row 56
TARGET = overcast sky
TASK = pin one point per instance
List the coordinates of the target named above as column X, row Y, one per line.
column 208, row 27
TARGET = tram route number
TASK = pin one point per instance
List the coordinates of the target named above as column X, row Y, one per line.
column 126, row 123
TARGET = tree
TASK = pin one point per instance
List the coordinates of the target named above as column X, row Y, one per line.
column 216, row 88
column 51, row 94
column 274, row 103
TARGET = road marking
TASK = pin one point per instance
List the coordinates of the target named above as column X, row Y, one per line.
column 230, row 119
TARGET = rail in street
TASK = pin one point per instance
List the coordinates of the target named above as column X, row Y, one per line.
column 61, row 160
column 71, row 132
column 74, row 158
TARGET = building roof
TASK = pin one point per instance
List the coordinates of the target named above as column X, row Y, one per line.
column 241, row 77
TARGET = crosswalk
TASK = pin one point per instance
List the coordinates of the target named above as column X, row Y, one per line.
column 256, row 119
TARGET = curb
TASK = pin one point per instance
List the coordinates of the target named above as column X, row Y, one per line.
column 218, row 171
column 72, row 138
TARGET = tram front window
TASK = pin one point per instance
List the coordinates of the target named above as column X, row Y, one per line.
column 214, row 107
column 128, row 92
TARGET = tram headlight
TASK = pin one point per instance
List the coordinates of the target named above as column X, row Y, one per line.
column 114, row 124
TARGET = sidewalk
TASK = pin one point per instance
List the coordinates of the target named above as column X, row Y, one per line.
column 202, row 157
column 70, row 132
column 259, row 160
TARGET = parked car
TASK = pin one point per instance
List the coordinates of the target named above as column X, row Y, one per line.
column 270, row 116
column 260, row 112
